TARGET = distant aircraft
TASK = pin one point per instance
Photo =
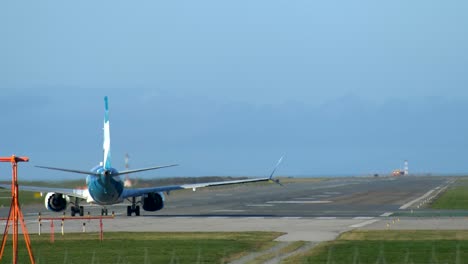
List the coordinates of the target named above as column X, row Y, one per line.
column 105, row 187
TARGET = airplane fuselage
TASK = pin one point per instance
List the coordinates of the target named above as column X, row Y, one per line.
column 105, row 189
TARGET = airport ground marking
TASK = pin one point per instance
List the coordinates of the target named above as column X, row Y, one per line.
column 298, row 202
column 228, row 211
column 363, row 217
column 407, row 205
column 313, row 197
column 362, row 224
column 259, row 205
column 386, row 214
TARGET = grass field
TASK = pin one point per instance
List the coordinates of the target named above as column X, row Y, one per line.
column 266, row 257
column 391, row 247
column 25, row 198
column 119, row 248
column 454, row 198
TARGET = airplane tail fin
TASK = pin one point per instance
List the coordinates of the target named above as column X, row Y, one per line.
column 106, row 144
column 106, row 164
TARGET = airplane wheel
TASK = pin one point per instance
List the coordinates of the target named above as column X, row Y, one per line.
column 137, row 210
column 102, row 211
column 129, row 210
column 81, row 211
column 105, row 211
column 72, row 212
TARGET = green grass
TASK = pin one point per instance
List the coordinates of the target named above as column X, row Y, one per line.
column 25, row 198
column 405, row 235
column 398, row 247
column 288, row 249
column 431, row 213
column 454, row 198
column 28, row 198
column 143, row 247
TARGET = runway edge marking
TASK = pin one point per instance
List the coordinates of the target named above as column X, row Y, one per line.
column 406, row 205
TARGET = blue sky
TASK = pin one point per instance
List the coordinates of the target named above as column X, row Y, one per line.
column 226, row 88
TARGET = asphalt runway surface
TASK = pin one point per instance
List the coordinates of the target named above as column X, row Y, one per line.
column 343, row 197
column 303, row 210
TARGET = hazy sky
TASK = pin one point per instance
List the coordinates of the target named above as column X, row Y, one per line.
column 227, row 87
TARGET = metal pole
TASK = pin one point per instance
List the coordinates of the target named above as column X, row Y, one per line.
column 62, row 224
column 15, row 211
column 52, row 231
column 101, row 235
column 40, row 224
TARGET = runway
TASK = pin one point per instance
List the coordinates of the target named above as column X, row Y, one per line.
column 343, row 197
column 303, row 210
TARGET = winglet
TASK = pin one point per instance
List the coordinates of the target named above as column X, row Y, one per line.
column 273, row 172
column 277, row 164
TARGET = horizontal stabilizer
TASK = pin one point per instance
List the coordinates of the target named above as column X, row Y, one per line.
column 69, row 170
column 144, row 169
column 113, row 174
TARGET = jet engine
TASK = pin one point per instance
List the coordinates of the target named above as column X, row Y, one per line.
column 153, row 202
column 55, row 202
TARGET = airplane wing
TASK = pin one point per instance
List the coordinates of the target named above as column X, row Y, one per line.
column 141, row 191
column 83, row 194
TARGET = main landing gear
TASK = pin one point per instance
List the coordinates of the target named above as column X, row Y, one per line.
column 133, row 208
column 76, row 208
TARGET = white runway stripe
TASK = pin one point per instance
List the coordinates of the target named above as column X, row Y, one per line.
column 368, row 222
column 298, row 202
column 227, row 211
column 406, row 205
column 386, row 214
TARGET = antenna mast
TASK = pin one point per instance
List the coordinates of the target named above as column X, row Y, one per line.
column 127, row 182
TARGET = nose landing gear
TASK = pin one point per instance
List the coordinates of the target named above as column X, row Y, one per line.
column 133, row 208
column 104, row 211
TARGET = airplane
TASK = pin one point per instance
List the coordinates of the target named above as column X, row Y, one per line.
column 105, row 187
